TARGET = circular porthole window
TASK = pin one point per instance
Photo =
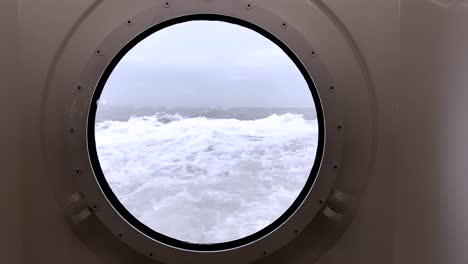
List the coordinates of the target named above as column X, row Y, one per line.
column 205, row 134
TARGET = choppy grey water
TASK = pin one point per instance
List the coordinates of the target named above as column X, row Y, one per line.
column 123, row 113
column 206, row 175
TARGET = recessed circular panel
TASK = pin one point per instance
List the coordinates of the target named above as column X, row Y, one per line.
column 205, row 134
column 70, row 127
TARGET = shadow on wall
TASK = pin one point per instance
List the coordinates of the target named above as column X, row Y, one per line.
column 431, row 206
column 11, row 196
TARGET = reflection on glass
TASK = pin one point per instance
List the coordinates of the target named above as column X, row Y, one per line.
column 206, row 131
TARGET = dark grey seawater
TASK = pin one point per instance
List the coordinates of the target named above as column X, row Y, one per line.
column 121, row 113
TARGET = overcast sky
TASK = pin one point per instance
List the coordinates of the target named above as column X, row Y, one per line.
column 206, row 63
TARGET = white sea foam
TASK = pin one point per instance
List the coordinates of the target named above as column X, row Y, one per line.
column 206, row 180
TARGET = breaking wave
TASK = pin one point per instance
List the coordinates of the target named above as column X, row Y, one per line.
column 203, row 180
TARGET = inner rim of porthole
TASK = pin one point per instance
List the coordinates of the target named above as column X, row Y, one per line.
column 129, row 217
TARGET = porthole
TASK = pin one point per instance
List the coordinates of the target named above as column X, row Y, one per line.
column 320, row 49
column 206, row 132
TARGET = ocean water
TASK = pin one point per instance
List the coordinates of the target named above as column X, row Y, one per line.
column 206, row 175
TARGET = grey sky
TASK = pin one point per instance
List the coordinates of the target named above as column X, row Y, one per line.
column 206, row 63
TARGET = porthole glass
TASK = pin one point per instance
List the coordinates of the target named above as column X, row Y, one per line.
column 205, row 132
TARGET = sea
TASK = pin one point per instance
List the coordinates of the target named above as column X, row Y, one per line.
column 206, row 174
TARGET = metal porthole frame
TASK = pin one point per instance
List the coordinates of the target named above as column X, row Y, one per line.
column 120, row 208
column 76, row 105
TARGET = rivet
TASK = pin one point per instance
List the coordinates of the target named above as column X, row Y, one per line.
column 72, row 131
column 284, row 25
column 98, row 52
column 167, row 4
column 129, row 22
column 249, row 6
